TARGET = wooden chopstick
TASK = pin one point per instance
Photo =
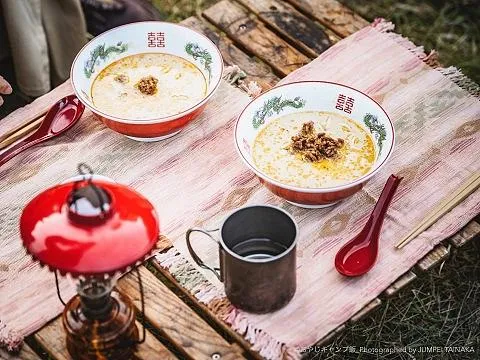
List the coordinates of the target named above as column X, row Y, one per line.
column 20, row 132
column 472, row 184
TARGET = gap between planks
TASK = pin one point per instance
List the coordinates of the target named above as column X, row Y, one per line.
column 205, row 311
column 52, row 338
column 300, row 31
column 327, row 13
column 331, row 13
column 175, row 320
column 255, row 69
column 171, row 317
column 247, row 31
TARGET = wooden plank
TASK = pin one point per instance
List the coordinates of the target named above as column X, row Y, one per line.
column 52, row 338
column 337, row 17
column 367, row 309
column 255, row 69
column 232, row 333
column 26, row 353
column 175, row 320
column 400, row 283
column 331, row 335
column 433, row 258
column 152, row 348
column 299, row 30
column 253, row 35
column 469, row 232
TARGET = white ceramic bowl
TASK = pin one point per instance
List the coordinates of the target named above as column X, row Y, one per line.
column 314, row 96
column 146, row 37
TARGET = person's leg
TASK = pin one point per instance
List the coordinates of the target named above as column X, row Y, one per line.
column 28, row 45
column 66, row 33
column 103, row 15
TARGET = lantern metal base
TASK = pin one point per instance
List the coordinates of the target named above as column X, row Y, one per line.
column 113, row 336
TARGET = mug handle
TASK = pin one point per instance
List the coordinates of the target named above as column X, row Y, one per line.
column 194, row 255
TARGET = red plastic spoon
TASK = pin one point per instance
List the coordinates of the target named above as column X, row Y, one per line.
column 358, row 255
column 61, row 117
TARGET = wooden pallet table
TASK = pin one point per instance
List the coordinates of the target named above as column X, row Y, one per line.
column 267, row 39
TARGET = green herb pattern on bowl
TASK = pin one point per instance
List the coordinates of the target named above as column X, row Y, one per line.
column 101, row 53
column 275, row 105
column 195, row 51
column 376, row 129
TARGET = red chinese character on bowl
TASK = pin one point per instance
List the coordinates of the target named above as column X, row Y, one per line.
column 156, row 39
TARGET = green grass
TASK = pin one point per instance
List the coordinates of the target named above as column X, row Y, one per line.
column 441, row 308
column 177, row 10
column 450, row 27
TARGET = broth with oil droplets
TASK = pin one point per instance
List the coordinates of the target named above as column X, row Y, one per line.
column 355, row 158
column 179, row 86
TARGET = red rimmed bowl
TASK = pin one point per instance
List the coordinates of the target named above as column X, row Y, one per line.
column 141, row 38
column 317, row 96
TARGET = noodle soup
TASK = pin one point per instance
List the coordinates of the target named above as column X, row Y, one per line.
column 148, row 86
column 354, row 157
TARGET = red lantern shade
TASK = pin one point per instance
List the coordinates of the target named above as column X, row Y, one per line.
column 89, row 228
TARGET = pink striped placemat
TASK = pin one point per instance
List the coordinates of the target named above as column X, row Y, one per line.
column 196, row 178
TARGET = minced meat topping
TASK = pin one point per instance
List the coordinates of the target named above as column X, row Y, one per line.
column 147, row 85
column 314, row 146
column 121, row 78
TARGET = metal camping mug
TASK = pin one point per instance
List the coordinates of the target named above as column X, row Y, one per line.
column 257, row 250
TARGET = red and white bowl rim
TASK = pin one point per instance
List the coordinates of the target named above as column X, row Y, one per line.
column 330, row 189
column 156, row 120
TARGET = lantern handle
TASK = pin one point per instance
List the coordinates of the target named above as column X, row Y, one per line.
column 58, row 289
column 142, row 298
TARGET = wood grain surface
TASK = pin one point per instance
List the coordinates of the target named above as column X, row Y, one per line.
column 400, row 283
column 299, row 30
column 205, row 310
column 337, row 17
column 26, row 353
column 433, row 258
column 468, row 233
column 176, row 320
column 52, row 338
column 255, row 69
column 253, row 35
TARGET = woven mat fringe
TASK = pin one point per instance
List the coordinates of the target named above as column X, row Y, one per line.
column 236, row 76
column 198, row 285
column 10, row 339
column 431, row 59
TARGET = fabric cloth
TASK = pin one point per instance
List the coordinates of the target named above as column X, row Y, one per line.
column 436, row 118
column 44, row 37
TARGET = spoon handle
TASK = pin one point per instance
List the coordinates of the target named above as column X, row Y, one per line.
column 385, row 198
column 29, row 141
